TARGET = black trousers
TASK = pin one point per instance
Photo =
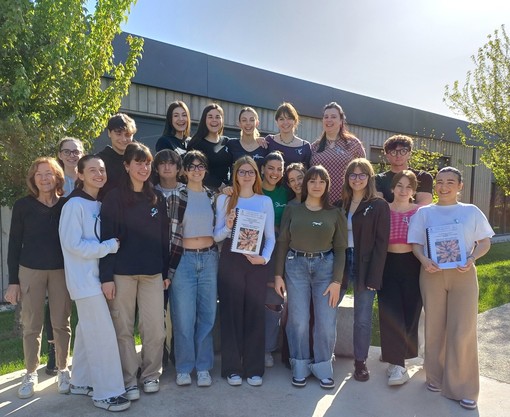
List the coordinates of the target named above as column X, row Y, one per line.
column 399, row 308
column 242, row 293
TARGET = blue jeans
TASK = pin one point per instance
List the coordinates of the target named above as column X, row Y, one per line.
column 363, row 303
column 193, row 308
column 308, row 278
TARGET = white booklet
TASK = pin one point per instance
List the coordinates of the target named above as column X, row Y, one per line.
column 248, row 231
column 446, row 245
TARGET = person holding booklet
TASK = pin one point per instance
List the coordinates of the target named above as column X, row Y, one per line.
column 450, row 295
column 311, row 248
column 242, row 273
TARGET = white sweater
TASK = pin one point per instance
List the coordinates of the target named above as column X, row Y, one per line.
column 79, row 232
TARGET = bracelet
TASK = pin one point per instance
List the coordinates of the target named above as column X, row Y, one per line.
column 471, row 256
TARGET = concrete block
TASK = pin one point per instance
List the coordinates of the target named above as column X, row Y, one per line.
column 345, row 320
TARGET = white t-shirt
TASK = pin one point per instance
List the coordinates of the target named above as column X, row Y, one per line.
column 475, row 224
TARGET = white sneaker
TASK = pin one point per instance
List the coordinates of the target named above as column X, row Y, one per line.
column 29, row 381
column 268, row 360
column 390, row 369
column 151, row 385
column 183, row 379
column 119, row 403
column 398, row 376
column 63, row 382
column 204, row 379
column 132, row 393
column 254, row 381
column 234, row 380
column 81, row 390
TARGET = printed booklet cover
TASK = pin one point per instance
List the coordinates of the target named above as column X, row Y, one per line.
column 248, row 231
column 446, row 246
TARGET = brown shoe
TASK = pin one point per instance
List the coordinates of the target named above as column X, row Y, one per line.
column 360, row 371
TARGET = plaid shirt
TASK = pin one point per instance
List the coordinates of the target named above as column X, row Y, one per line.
column 176, row 204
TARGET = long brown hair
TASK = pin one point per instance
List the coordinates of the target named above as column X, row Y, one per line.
column 317, row 171
column 344, row 131
column 257, row 186
column 138, row 152
column 366, row 168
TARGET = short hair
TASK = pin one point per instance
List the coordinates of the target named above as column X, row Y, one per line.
column 57, row 171
column 122, row 121
column 451, row 169
column 194, row 155
column 169, row 129
column 409, row 175
column 168, row 155
column 322, row 173
column 366, row 167
column 398, row 140
column 287, row 110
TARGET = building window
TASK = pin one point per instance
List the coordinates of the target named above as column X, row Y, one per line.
column 499, row 214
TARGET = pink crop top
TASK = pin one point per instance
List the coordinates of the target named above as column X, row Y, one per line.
column 399, row 226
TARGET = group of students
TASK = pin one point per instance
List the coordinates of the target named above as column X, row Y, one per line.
column 123, row 241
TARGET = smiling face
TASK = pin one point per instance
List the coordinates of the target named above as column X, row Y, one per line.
column 398, row 161
column 94, row 174
column 179, row 120
column 248, row 122
column 316, row 187
column 273, row 172
column 295, row 181
column 285, row 123
column 139, row 172
column 358, row 184
column 447, row 187
column 331, row 122
column 70, row 152
column 45, row 179
column 214, row 121
column 246, row 176
column 403, row 190
column 195, row 172
column 120, row 138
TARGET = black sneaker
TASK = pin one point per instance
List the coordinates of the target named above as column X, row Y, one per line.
column 119, row 403
column 299, row 382
column 327, row 383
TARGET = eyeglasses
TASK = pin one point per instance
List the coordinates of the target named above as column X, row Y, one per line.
column 69, row 152
column 249, row 173
column 193, row 167
column 361, row 176
column 395, row 152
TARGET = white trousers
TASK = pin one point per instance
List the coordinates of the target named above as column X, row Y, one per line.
column 96, row 359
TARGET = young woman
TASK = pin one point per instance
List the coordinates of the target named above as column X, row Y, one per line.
column 96, row 360
column 209, row 140
column 399, row 298
column 242, row 279
column 368, row 230
column 272, row 175
column 195, row 262
column 293, row 177
column 294, row 149
column 36, row 268
column 311, row 248
column 70, row 150
column 137, row 274
column 450, row 296
column 335, row 148
column 177, row 127
column 250, row 141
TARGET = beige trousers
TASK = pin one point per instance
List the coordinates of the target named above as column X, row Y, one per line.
column 34, row 284
column 146, row 292
column 450, row 299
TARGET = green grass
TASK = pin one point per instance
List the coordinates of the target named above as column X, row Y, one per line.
column 493, row 278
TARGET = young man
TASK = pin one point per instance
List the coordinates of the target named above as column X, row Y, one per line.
column 121, row 129
column 398, row 150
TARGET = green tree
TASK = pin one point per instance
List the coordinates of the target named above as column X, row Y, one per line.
column 58, row 76
column 484, row 100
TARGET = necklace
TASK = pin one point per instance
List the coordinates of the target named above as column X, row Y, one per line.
column 289, row 142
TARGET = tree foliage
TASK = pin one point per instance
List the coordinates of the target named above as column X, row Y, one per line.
column 54, row 55
column 484, row 100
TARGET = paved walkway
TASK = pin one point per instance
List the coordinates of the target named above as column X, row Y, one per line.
column 277, row 397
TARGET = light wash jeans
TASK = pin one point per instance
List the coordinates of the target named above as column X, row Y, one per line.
column 363, row 304
column 193, row 295
column 308, row 278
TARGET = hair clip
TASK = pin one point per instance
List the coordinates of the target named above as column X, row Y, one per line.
column 154, row 211
column 367, row 210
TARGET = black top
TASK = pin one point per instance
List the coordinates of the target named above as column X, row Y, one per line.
column 33, row 240
column 237, row 151
column 142, row 229
column 115, row 170
column 384, row 179
column 219, row 161
column 173, row 143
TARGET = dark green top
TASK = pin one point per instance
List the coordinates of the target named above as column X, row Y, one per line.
column 279, row 196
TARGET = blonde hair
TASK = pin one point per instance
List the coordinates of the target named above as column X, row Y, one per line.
column 57, row 171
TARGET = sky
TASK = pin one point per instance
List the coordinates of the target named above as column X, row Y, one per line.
column 401, row 51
